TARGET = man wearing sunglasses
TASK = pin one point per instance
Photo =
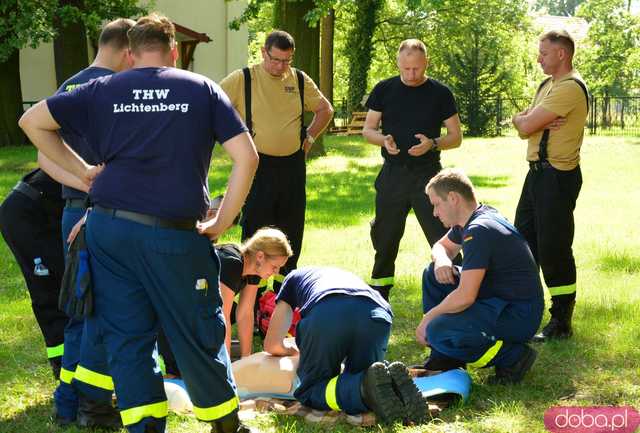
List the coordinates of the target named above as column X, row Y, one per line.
column 271, row 97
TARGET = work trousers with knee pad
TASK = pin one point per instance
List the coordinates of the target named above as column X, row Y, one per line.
column 400, row 188
column 146, row 277
column 353, row 329
column 544, row 216
column 492, row 331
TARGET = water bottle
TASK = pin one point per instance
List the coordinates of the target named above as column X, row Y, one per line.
column 40, row 269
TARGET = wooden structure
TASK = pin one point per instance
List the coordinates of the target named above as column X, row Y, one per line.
column 354, row 127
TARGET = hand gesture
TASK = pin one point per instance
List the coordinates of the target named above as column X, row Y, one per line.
column 421, row 148
column 76, row 228
column 210, row 228
column 92, row 173
column 390, row 145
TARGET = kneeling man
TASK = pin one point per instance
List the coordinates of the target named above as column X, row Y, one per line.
column 483, row 313
column 343, row 320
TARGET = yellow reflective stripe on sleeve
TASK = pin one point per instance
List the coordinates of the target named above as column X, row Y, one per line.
column 488, row 356
column 278, row 278
column 95, row 379
column 562, row 290
column 387, row 281
column 330, row 394
column 263, row 283
column 66, row 376
column 137, row 414
column 54, row 352
column 216, row 412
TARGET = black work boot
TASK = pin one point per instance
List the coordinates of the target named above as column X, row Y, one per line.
column 231, row 424
column 378, row 394
column 415, row 406
column 95, row 414
column 515, row 373
column 559, row 326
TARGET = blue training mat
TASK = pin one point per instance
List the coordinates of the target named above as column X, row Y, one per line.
column 452, row 383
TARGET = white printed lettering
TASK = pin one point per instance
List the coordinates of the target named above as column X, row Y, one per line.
column 147, row 93
column 162, row 93
column 136, row 93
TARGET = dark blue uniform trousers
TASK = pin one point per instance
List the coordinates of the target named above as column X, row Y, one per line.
column 353, row 329
column 492, row 331
column 84, row 363
column 145, row 277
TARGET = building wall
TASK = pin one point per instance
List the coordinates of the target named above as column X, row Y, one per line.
column 226, row 52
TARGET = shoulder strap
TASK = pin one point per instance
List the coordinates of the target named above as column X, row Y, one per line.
column 584, row 90
column 247, row 100
column 303, row 129
column 545, row 81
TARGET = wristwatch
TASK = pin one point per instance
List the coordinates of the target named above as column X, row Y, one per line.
column 434, row 146
column 310, row 138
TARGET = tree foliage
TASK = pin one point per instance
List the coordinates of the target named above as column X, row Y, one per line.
column 566, row 8
column 609, row 61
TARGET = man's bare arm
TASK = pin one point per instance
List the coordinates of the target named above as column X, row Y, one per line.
column 61, row 175
column 531, row 121
column 41, row 128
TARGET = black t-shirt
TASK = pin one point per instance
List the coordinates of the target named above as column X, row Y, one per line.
column 41, row 181
column 407, row 111
column 231, row 264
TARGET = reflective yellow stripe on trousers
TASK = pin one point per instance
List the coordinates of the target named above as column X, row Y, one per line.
column 66, row 376
column 216, row 412
column 330, row 394
column 137, row 414
column 386, row 281
column 95, row 379
column 562, row 290
column 488, row 356
column 54, row 352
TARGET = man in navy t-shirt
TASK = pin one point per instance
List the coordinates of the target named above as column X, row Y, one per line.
column 483, row 313
column 84, row 362
column 154, row 127
column 410, row 109
column 342, row 319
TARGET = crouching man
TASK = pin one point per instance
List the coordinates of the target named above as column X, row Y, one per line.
column 342, row 319
column 483, row 313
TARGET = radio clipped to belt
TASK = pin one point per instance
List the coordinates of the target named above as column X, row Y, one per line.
column 76, row 293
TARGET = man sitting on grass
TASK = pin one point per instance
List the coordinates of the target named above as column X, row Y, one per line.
column 484, row 312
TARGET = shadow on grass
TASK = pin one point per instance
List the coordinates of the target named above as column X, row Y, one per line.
column 619, row 262
column 340, row 198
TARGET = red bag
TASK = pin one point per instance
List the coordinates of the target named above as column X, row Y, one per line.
column 266, row 306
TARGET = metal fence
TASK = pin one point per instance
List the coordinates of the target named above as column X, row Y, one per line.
column 608, row 115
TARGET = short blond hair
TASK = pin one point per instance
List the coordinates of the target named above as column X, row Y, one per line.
column 271, row 241
column 153, row 32
column 562, row 38
column 412, row 45
column 451, row 180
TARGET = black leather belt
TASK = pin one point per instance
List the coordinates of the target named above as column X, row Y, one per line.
column 28, row 190
column 539, row 165
column 76, row 203
column 148, row 220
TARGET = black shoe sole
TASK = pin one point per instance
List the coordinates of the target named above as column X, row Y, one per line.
column 415, row 406
column 385, row 403
column 513, row 379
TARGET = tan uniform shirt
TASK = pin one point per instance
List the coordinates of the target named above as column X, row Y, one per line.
column 565, row 98
column 276, row 112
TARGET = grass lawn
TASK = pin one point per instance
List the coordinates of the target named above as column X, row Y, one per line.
column 598, row 366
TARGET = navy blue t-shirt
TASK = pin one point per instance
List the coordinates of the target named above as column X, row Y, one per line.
column 75, row 141
column 154, row 128
column 305, row 287
column 407, row 111
column 490, row 242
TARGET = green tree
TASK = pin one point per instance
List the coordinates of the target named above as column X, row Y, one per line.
column 30, row 22
column 565, row 8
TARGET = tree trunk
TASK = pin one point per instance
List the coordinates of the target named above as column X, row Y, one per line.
column 10, row 102
column 326, row 56
column 360, row 47
column 70, row 46
column 289, row 16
